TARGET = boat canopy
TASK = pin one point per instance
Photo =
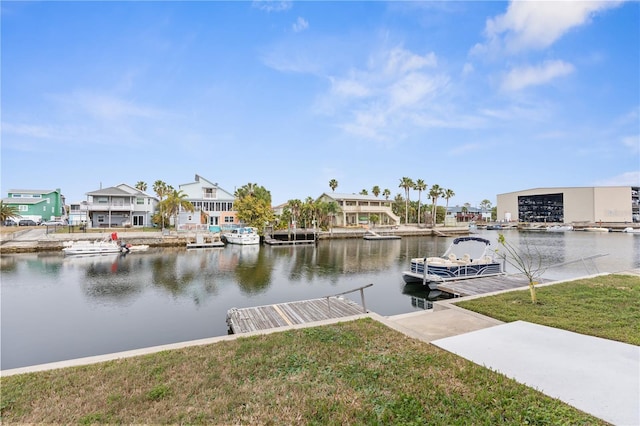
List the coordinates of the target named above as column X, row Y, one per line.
column 472, row 247
column 462, row 239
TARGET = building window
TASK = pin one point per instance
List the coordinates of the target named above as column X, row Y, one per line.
column 23, row 208
column 228, row 219
column 541, row 208
column 139, row 201
column 100, row 218
column 209, row 193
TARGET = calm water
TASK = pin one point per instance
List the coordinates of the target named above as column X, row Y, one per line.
column 56, row 308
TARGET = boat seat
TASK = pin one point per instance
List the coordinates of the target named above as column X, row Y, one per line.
column 453, row 257
column 466, row 257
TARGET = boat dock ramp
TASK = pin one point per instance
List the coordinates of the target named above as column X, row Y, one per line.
column 266, row 317
column 484, row 285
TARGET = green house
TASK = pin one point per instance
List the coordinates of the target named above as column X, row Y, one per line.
column 37, row 205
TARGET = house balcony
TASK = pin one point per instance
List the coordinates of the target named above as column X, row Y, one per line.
column 113, row 207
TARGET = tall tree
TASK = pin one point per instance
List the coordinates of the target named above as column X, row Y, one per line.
column 375, row 190
column 435, row 192
column 448, row 193
column 419, row 186
column 253, row 206
column 406, row 183
column 386, row 193
column 176, row 201
column 364, row 192
column 142, row 186
column 333, row 184
column 161, row 189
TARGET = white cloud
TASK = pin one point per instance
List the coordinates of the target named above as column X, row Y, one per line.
column 349, row 88
column 519, row 78
column 105, row 106
column 272, row 5
column 538, row 24
column 414, row 88
column 400, row 61
column 300, row 25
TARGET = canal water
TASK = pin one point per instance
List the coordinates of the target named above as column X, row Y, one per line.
column 56, row 308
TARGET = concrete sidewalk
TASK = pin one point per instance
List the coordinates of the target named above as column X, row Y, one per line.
column 598, row 376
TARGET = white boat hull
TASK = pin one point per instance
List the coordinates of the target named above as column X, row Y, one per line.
column 92, row 247
column 242, row 236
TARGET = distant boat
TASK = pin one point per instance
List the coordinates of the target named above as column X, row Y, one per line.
column 243, row 236
column 595, row 229
column 559, row 228
column 371, row 235
column 630, row 230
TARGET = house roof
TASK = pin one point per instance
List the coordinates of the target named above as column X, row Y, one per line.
column 111, row 191
column 32, row 191
column 23, row 200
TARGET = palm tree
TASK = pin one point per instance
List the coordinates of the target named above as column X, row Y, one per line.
column 419, row 186
column 364, row 192
column 448, row 193
column 7, row 212
column 435, row 192
column 407, row 184
column 386, row 193
column 142, row 186
column 333, row 184
column 176, row 201
column 161, row 189
column 375, row 190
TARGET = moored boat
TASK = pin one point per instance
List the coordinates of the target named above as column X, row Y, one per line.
column 560, row 228
column 595, row 229
column 244, row 236
column 466, row 258
column 371, row 235
column 630, row 230
column 91, row 247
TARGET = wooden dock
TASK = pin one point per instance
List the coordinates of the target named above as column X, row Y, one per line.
column 245, row 320
column 476, row 286
column 279, row 243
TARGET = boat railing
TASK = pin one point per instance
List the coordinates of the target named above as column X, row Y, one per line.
column 360, row 289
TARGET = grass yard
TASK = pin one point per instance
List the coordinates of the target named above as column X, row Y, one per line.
column 607, row 306
column 358, row 372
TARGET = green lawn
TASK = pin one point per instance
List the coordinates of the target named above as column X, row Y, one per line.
column 607, row 306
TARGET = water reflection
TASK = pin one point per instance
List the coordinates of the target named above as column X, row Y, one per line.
column 57, row 308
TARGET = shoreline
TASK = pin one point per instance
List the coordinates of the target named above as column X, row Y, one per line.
column 21, row 242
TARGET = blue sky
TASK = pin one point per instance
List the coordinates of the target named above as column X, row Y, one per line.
column 478, row 97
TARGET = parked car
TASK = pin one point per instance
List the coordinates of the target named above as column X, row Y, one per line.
column 9, row 222
column 27, row 222
column 53, row 223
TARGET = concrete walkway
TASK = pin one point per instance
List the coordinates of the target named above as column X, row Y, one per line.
column 598, row 376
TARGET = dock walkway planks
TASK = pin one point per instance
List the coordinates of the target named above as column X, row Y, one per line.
column 244, row 320
column 476, row 286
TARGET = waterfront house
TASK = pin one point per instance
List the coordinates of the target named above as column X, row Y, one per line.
column 213, row 205
column 120, row 206
column 37, row 205
column 356, row 209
